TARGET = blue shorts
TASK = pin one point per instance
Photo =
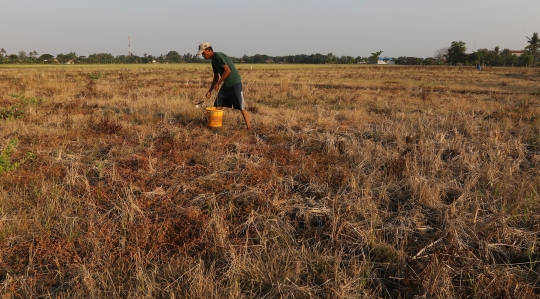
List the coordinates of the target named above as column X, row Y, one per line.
column 231, row 98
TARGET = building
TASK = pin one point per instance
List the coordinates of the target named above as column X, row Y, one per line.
column 517, row 52
column 386, row 60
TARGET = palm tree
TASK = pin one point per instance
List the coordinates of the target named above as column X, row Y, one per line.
column 533, row 47
column 33, row 54
column 375, row 56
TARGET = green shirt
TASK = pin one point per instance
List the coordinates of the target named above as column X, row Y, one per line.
column 218, row 61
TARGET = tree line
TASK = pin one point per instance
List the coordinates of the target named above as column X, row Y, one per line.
column 455, row 54
column 171, row 57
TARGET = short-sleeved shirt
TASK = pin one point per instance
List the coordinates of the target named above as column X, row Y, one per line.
column 218, row 61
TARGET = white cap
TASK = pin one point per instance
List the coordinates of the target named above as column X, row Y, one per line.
column 203, row 47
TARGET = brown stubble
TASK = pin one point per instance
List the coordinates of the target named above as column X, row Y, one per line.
column 355, row 181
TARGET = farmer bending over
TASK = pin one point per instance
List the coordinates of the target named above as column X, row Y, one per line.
column 231, row 94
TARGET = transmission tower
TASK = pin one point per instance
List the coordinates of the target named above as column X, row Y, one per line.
column 129, row 45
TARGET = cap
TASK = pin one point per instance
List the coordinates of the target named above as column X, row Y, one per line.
column 203, row 47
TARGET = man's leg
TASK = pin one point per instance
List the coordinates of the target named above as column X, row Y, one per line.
column 246, row 118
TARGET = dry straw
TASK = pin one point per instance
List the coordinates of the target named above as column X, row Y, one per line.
column 355, row 182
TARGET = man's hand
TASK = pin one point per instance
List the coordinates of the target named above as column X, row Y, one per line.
column 214, row 86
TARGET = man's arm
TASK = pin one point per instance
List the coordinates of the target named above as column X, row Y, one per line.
column 226, row 73
column 214, row 84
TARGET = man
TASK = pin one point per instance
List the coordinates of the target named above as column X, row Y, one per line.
column 226, row 75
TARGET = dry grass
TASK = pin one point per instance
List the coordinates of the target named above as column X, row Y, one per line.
column 356, row 182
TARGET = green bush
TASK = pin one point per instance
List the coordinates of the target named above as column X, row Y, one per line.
column 6, row 163
column 17, row 111
column 95, row 76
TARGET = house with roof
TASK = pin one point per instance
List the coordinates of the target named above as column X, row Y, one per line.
column 517, row 52
column 386, row 60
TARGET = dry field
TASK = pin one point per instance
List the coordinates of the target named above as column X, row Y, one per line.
column 355, row 182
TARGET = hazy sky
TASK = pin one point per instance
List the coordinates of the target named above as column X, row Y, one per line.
column 276, row 28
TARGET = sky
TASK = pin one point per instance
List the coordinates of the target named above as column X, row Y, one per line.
column 273, row 27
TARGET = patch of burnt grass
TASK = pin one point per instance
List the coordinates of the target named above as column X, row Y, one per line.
column 451, row 195
column 449, row 154
column 165, row 141
column 338, row 177
column 92, row 91
column 105, row 124
column 182, row 232
column 396, row 167
column 385, row 111
column 48, row 250
column 254, row 109
column 399, row 197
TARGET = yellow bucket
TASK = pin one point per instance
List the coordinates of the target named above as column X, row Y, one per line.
column 215, row 117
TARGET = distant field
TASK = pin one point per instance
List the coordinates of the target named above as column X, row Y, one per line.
column 275, row 66
column 355, row 182
column 106, row 66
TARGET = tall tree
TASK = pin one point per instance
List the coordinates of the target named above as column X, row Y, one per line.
column 173, row 56
column 526, row 59
column 64, row 58
column 375, row 56
column 22, row 56
column 441, row 54
column 13, row 58
column 508, row 58
column 533, row 47
column 46, row 58
column 456, row 52
column 2, row 55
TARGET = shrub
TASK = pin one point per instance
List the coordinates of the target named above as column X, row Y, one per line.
column 6, row 163
column 17, row 111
